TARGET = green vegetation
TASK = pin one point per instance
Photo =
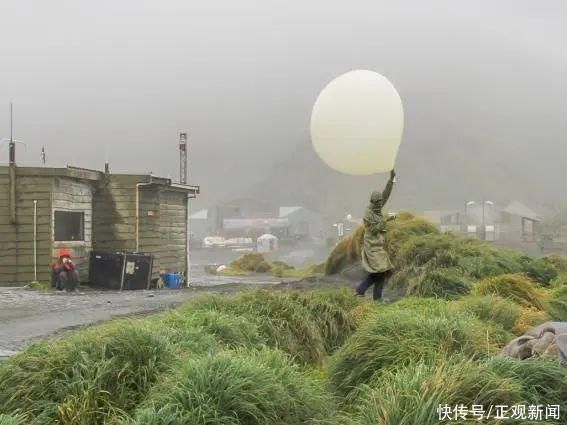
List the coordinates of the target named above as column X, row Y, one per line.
column 254, row 262
column 250, row 387
column 515, row 287
column 250, row 262
column 285, row 358
column 38, row 286
column 493, row 309
column 324, row 357
column 145, row 368
column 442, row 265
column 401, row 334
column 412, row 394
column 558, row 262
column 84, row 378
column 12, row 419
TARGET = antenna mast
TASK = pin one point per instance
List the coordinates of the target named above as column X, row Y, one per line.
column 183, row 158
column 12, row 154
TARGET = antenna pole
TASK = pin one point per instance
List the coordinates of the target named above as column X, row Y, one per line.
column 183, row 158
column 12, row 171
column 12, row 154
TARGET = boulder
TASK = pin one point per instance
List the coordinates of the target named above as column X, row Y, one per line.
column 546, row 340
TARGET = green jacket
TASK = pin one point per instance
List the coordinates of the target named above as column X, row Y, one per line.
column 374, row 257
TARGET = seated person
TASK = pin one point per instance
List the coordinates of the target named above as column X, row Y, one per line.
column 64, row 275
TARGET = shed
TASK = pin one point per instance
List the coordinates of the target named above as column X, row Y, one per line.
column 267, row 243
column 63, row 217
column 84, row 210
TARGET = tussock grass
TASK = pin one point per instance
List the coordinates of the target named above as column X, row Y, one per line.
column 284, row 323
column 309, row 272
column 347, row 252
column 559, row 281
column 258, row 387
column 334, row 322
column 448, row 283
column 402, row 335
column 516, row 287
column 228, row 330
column 476, row 258
column 558, row 262
column 15, row 419
column 250, row 262
column 260, row 358
column 405, row 227
column 304, row 326
column 254, row 262
column 412, row 394
column 491, row 308
column 556, row 304
column 362, row 313
column 102, row 374
column 543, row 380
column 529, row 317
column 83, row 378
column 538, row 269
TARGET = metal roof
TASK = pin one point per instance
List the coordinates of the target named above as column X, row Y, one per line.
column 519, row 209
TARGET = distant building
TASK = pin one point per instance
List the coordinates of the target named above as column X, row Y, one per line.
column 85, row 210
column 511, row 224
column 250, row 218
column 302, row 222
column 446, row 220
column 255, row 227
column 201, row 225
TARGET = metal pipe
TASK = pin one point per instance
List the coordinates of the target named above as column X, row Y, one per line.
column 12, row 171
column 483, row 220
column 35, row 239
column 123, row 270
column 188, row 242
column 187, row 247
column 138, row 185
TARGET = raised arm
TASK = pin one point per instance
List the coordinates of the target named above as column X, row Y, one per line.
column 388, row 189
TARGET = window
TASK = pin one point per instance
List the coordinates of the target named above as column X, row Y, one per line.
column 449, row 219
column 69, row 226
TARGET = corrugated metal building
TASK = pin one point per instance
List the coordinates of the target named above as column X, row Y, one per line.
column 84, row 210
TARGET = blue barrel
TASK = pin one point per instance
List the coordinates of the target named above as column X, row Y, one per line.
column 172, row 280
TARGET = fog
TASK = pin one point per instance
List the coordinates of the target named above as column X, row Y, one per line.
column 483, row 86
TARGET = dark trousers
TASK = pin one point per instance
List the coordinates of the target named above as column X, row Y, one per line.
column 376, row 279
column 67, row 281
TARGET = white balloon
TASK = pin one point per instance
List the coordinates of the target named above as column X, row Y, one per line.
column 357, row 123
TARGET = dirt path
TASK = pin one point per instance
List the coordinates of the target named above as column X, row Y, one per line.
column 27, row 316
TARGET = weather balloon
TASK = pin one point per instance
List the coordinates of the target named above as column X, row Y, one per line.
column 357, row 123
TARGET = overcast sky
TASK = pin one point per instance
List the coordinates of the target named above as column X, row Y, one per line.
column 241, row 78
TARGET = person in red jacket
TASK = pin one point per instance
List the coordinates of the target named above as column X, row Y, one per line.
column 65, row 276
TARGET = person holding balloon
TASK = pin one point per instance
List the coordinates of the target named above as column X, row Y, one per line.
column 375, row 260
column 356, row 129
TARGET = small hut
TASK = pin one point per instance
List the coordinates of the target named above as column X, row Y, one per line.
column 267, row 243
column 44, row 209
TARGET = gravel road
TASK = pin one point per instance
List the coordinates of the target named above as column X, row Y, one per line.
column 27, row 316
